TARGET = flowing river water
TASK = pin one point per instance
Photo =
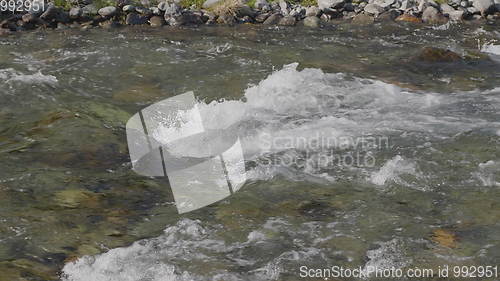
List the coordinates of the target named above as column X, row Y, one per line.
column 414, row 181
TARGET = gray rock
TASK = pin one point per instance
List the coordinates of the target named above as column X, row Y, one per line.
column 143, row 11
column 50, row 14
column 260, row 18
column 162, row 6
column 349, row 7
column 457, row 15
column 156, row 21
column 210, row 3
column 472, row 10
column 109, row 24
column 432, row 3
column 172, row 9
column 311, row 21
column 227, row 18
column 484, row 6
column 211, row 18
column 325, row 4
column 390, row 15
column 75, row 12
column 446, row 9
column 284, row 7
column 384, row 3
column 259, row 4
column 407, row 4
column 464, row 4
column 273, row 19
column 245, row 10
column 298, row 12
column 363, row 19
column 195, row 18
column 63, row 17
column 135, row 19
column 312, row 11
column 246, row 19
column 89, row 10
column 374, row 9
column 128, row 9
column 326, row 17
column 156, row 11
column 287, row 21
column 107, row 11
column 333, row 14
column 432, row 15
column 29, row 18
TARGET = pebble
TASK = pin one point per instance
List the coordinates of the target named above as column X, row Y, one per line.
column 484, row 6
column 75, row 12
column 363, row 19
column 326, row 4
column 259, row 4
column 273, row 19
column 128, row 8
column 156, row 21
column 374, row 9
column 311, row 21
column 312, row 11
column 287, row 21
column 107, row 11
column 135, row 19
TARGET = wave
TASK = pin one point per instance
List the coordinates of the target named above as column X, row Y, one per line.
column 290, row 125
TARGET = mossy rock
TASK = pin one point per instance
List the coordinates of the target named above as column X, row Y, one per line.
column 108, row 113
column 75, row 198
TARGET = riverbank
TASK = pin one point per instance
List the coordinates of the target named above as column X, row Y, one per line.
column 108, row 14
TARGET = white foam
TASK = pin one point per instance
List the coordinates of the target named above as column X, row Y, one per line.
column 391, row 170
column 301, row 115
column 387, row 256
column 189, row 245
column 11, row 75
column 492, row 50
column 144, row 260
column 488, row 172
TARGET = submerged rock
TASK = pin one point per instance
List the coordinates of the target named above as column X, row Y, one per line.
column 408, row 18
column 74, row 198
column 444, row 238
column 363, row 19
column 432, row 54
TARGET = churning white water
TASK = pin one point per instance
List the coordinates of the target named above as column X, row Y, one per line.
column 292, row 119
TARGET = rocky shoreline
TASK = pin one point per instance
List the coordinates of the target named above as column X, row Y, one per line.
column 87, row 13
